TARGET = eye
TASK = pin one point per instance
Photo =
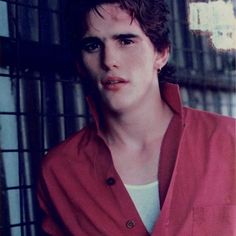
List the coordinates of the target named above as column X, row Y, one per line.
column 90, row 45
column 124, row 42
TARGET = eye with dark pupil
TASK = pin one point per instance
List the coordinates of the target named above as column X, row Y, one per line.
column 90, row 45
column 126, row 41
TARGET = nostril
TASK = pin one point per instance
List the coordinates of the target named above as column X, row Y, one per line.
column 109, row 65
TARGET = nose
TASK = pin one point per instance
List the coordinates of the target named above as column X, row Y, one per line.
column 110, row 57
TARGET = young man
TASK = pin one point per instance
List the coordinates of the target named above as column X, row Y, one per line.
column 147, row 165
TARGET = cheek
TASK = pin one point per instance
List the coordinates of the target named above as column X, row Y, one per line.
column 142, row 65
column 134, row 61
column 142, row 58
column 90, row 63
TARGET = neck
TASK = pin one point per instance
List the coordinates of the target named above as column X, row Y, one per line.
column 140, row 126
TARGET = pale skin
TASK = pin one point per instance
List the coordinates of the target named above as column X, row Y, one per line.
column 116, row 49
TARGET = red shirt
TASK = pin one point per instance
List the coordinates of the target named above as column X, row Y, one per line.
column 81, row 193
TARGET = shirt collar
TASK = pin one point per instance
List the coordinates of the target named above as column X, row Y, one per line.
column 170, row 93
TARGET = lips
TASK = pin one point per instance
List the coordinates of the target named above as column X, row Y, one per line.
column 113, row 83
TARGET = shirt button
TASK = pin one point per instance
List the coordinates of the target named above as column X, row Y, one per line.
column 110, row 181
column 130, row 224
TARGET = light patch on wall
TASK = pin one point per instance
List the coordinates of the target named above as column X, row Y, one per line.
column 217, row 19
column 3, row 19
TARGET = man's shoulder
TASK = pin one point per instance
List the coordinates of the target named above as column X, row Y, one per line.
column 209, row 119
column 210, row 126
column 211, row 137
column 70, row 147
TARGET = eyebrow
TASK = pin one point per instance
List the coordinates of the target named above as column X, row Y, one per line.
column 89, row 39
column 116, row 36
column 125, row 36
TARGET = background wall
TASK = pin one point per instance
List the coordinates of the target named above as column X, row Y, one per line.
column 41, row 102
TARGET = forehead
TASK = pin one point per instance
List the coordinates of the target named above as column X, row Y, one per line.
column 113, row 11
column 110, row 17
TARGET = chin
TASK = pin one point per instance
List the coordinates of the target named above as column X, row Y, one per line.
column 116, row 107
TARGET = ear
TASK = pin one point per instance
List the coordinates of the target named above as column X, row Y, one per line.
column 162, row 58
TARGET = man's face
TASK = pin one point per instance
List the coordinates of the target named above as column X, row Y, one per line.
column 120, row 58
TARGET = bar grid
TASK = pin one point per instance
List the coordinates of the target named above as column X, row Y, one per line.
column 42, row 103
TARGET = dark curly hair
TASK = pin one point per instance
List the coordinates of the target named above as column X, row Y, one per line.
column 152, row 16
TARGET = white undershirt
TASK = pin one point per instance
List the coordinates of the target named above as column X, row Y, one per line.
column 147, row 202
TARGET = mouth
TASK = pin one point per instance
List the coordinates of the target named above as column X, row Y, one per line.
column 113, row 83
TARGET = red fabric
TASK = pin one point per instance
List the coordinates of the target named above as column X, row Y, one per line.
column 81, row 193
